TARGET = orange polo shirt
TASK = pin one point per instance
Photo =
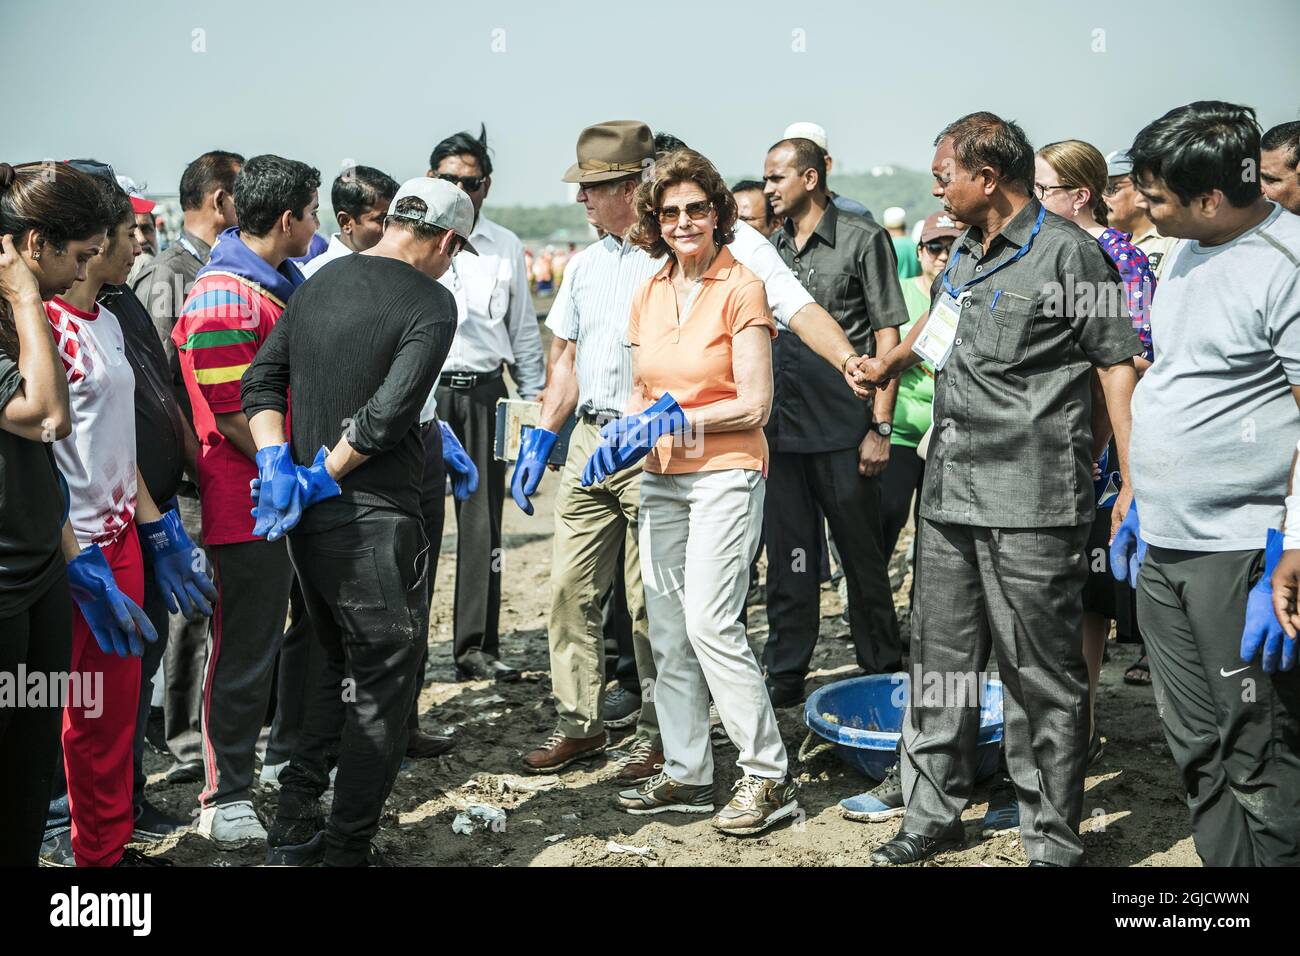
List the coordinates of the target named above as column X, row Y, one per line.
column 691, row 360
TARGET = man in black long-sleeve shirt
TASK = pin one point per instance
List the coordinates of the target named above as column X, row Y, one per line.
column 357, row 353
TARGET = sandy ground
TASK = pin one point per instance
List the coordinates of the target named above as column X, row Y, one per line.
column 1133, row 812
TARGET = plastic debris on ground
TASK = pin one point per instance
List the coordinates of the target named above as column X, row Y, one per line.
column 478, row 816
column 613, row 847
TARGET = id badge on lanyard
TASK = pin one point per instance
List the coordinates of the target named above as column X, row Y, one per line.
column 935, row 341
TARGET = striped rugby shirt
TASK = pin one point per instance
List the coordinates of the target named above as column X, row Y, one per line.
column 224, row 321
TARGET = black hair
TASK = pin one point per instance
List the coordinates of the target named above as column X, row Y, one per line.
column 745, row 185
column 666, row 143
column 462, row 144
column 269, row 185
column 985, row 139
column 807, row 155
column 1284, row 136
column 1202, row 146
column 60, row 202
column 117, row 202
column 213, row 170
column 361, row 188
column 407, row 207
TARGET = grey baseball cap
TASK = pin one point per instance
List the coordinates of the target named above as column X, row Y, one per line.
column 446, row 206
column 1118, row 164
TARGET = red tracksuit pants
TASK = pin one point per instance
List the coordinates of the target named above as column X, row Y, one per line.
column 97, row 743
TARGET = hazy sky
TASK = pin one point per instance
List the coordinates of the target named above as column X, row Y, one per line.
column 378, row 82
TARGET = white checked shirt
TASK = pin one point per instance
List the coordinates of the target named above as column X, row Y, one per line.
column 594, row 304
column 498, row 322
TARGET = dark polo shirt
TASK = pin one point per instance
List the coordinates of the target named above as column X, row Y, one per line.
column 849, row 267
column 1012, row 444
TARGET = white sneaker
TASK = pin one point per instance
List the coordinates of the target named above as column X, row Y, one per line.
column 232, row 825
column 270, row 775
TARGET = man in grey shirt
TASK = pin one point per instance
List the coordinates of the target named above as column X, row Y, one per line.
column 207, row 200
column 1215, row 425
column 1031, row 305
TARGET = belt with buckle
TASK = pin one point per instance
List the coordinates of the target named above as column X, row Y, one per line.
column 466, row 380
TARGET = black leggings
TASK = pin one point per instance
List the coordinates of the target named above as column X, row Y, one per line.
column 39, row 639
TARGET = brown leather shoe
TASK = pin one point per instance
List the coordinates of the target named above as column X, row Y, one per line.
column 643, row 761
column 421, row 746
column 558, row 751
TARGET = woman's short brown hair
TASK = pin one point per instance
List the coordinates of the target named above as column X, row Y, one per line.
column 671, row 169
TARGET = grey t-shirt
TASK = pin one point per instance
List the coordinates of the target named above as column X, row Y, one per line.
column 1214, row 420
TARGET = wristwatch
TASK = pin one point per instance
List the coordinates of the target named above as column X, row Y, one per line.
column 884, row 429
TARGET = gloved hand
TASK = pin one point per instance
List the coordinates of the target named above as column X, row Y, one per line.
column 116, row 621
column 464, row 476
column 533, row 455
column 184, row 582
column 1263, row 630
column 630, row 438
column 279, row 499
column 1128, row 550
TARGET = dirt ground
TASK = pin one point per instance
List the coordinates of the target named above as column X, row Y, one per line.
column 1133, row 812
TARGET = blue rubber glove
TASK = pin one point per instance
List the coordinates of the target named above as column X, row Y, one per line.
column 464, row 476
column 116, row 621
column 534, row 453
column 279, row 500
column 315, row 484
column 1128, row 550
column 182, row 579
column 630, row 438
column 1262, row 629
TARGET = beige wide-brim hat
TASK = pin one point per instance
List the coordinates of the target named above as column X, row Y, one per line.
column 611, row 151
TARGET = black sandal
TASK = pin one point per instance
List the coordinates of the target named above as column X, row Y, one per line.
column 1139, row 673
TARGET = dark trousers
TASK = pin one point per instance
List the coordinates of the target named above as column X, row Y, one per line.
column 1233, row 730
column 40, row 639
column 253, row 580
column 300, row 659
column 183, row 657
column 900, row 494
column 471, row 413
column 1016, row 593
column 433, row 511
column 155, row 608
column 616, row 625
column 366, row 590
column 797, row 486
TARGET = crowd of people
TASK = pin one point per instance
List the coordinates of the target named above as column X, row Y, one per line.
column 248, row 438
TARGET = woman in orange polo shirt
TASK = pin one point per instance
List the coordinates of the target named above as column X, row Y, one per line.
column 700, row 335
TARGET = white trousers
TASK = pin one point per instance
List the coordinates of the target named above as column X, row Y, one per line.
column 699, row 533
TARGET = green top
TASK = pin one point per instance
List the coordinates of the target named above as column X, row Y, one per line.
column 916, row 385
column 908, row 263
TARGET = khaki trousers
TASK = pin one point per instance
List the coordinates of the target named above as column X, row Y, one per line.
column 590, row 525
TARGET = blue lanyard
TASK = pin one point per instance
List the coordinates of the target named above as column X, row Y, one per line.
column 976, row 280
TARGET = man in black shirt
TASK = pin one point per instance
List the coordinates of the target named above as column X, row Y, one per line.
column 358, row 349
column 827, row 446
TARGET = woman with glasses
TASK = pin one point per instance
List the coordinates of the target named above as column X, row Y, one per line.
column 1070, row 179
column 700, row 334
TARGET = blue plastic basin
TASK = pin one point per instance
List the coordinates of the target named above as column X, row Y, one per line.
column 867, row 721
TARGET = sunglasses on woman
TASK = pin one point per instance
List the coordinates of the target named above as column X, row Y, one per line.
column 936, row 246
column 668, row 215
column 470, row 184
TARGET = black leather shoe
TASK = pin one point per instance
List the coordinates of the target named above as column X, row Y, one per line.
column 422, row 746
column 913, row 847
column 479, row 666
column 186, row 771
column 785, row 696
